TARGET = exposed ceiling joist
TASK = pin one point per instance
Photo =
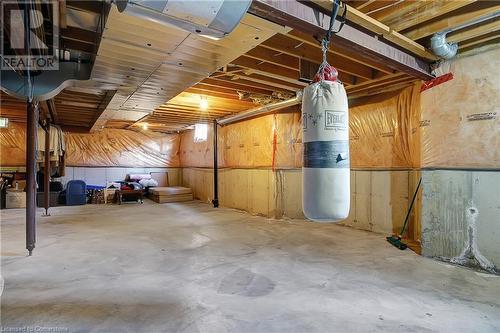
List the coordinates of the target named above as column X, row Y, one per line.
column 347, row 56
column 300, row 49
column 235, row 86
column 51, row 107
column 446, row 22
column 298, row 15
column 465, row 34
column 86, row 5
column 273, row 57
column 378, row 27
column 397, row 9
column 365, row 4
column 471, row 43
column 428, row 11
column 257, row 64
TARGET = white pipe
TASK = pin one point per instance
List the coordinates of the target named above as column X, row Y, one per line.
column 261, row 110
column 481, row 19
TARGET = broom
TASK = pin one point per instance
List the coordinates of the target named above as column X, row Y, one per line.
column 396, row 240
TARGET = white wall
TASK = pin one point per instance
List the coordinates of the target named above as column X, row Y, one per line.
column 447, row 196
column 379, row 199
column 100, row 176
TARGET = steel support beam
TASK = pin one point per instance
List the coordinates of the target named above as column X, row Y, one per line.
column 31, row 145
column 215, row 201
column 311, row 20
column 46, row 171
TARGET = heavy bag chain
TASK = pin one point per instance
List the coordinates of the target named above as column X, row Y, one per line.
column 325, row 43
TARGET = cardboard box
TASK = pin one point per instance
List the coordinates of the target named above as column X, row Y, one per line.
column 15, row 199
column 21, row 184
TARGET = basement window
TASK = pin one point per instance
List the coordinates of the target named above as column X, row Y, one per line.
column 4, row 122
column 200, row 132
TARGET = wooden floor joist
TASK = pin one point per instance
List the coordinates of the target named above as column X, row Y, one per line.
column 311, row 20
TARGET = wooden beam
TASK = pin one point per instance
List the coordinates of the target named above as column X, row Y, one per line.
column 474, row 32
column 235, row 86
column 397, row 9
column 387, row 32
column 256, row 64
column 208, row 92
column 51, row 106
column 365, row 4
column 79, row 34
column 274, row 57
column 85, row 5
column 478, row 41
column 429, row 11
column 374, row 6
column 222, row 90
column 345, row 56
column 310, row 20
column 62, row 14
column 312, row 52
column 376, row 82
column 383, row 89
column 75, row 129
column 252, row 84
column 250, row 76
column 449, row 22
column 188, row 110
column 78, row 46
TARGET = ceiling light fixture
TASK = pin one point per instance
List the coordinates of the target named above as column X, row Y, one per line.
column 203, row 103
column 145, row 126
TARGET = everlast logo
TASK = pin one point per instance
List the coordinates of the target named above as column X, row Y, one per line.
column 335, row 120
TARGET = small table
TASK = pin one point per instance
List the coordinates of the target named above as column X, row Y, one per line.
column 138, row 193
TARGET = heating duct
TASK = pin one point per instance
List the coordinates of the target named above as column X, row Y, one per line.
column 261, row 110
column 445, row 50
column 213, row 19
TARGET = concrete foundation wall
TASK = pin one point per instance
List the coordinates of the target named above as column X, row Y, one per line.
column 100, row 176
column 447, row 199
column 379, row 199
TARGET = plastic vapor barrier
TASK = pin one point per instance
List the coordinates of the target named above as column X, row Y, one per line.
column 110, row 147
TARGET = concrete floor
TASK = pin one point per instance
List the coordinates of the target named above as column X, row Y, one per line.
column 190, row 268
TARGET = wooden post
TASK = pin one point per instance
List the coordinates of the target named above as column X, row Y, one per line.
column 31, row 140
column 46, row 171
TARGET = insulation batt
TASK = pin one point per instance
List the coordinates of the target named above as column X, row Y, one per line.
column 325, row 168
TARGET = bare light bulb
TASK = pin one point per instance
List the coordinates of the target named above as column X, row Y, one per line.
column 203, row 103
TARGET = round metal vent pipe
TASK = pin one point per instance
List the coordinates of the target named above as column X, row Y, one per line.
column 441, row 48
column 445, row 50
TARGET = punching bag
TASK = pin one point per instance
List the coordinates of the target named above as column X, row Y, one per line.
column 325, row 167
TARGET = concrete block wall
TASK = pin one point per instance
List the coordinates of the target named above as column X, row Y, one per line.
column 447, row 199
column 100, row 176
column 379, row 199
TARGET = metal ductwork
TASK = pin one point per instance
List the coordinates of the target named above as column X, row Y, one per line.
column 213, row 19
column 441, row 48
column 261, row 110
column 445, row 50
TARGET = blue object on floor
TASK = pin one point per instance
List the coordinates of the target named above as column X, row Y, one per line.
column 76, row 193
column 95, row 187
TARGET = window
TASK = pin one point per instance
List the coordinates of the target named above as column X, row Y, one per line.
column 4, row 122
column 200, row 132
